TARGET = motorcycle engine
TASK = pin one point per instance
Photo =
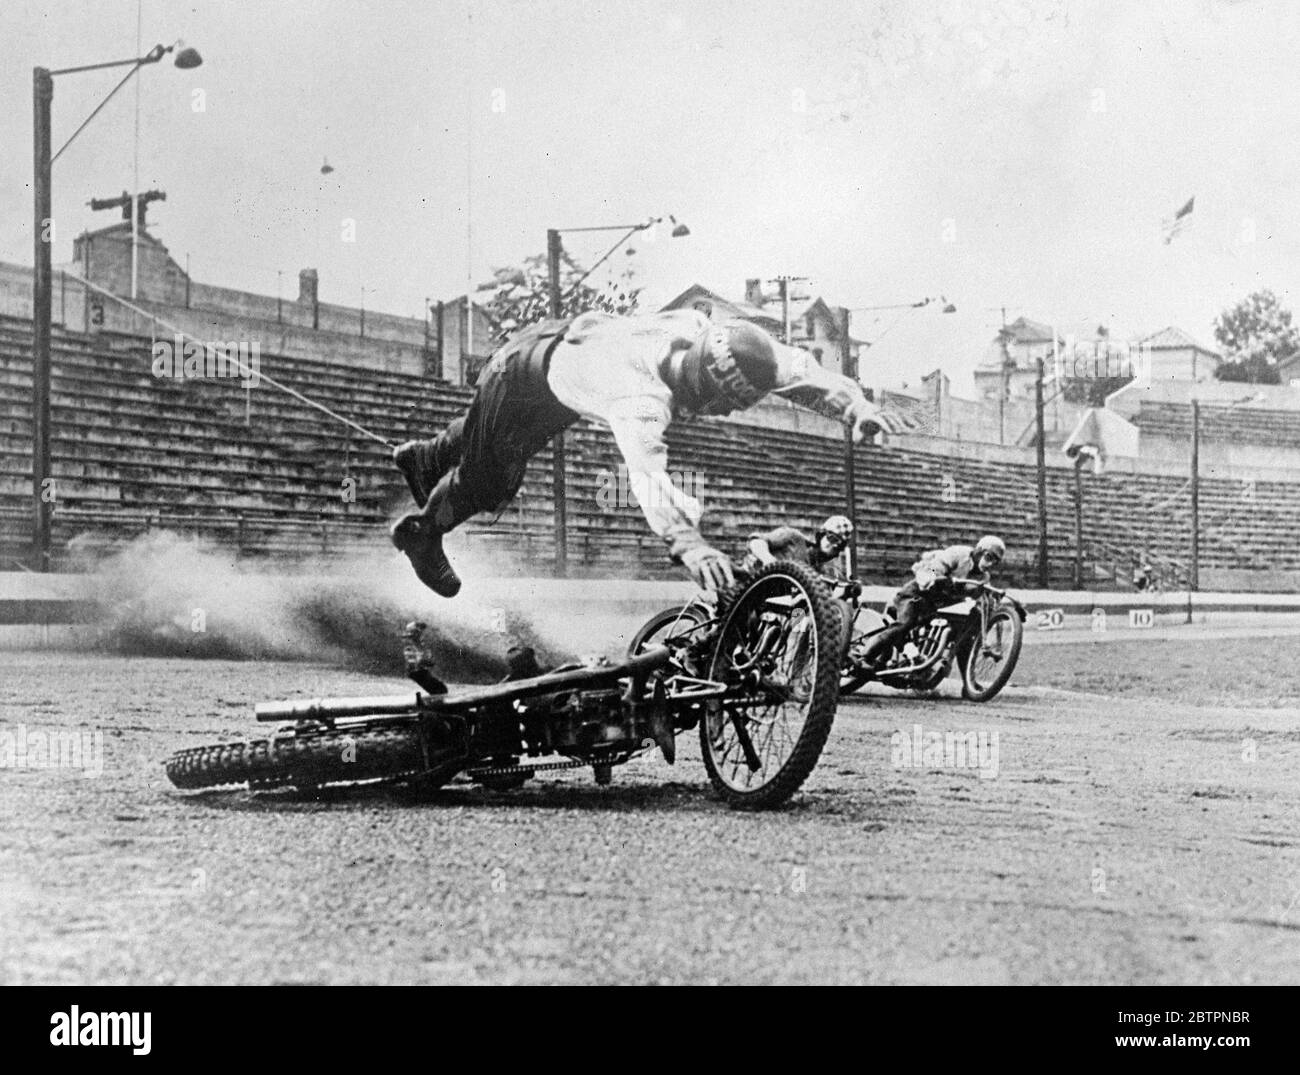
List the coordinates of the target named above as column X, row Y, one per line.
column 579, row 722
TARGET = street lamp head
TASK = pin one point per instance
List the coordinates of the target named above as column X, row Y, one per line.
column 188, row 58
column 950, row 309
column 681, row 231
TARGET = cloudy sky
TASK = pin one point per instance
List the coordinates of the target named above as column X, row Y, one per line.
column 1009, row 153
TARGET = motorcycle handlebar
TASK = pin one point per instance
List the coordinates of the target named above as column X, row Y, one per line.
column 1001, row 595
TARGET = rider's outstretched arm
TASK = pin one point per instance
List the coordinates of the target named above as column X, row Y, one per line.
column 803, row 380
column 638, row 426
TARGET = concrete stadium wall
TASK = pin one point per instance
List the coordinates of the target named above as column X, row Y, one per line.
column 391, row 343
column 38, row 611
column 1172, row 466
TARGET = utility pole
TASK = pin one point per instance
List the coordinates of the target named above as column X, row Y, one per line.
column 1078, row 521
column 428, row 356
column 1043, row 579
column 43, row 489
column 850, row 477
column 783, row 289
column 42, row 300
column 1194, row 578
column 559, row 485
column 442, row 328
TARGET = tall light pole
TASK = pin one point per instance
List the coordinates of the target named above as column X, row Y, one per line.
column 1194, row 572
column 554, row 254
column 42, row 297
column 43, row 491
column 1043, row 580
column 1079, row 460
column 850, row 461
column 1194, row 575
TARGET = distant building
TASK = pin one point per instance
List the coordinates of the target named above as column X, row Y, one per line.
column 1175, row 356
column 1288, row 370
column 1010, row 366
column 286, row 324
column 813, row 324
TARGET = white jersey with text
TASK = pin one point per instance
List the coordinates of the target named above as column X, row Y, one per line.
column 608, row 368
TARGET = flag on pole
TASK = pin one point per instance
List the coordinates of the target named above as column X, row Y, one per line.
column 1180, row 221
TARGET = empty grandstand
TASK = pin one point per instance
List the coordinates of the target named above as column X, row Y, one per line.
column 262, row 473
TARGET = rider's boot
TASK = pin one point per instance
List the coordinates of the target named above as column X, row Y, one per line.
column 876, row 654
column 419, row 537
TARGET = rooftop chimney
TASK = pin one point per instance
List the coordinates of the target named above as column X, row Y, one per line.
column 309, row 291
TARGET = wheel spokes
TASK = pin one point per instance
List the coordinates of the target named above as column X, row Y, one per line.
column 989, row 656
column 752, row 742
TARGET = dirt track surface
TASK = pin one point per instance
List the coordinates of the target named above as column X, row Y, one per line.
column 1126, row 837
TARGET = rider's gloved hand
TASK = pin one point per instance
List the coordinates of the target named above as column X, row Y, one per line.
column 926, row 579
column 710, row 568
column 866, row 418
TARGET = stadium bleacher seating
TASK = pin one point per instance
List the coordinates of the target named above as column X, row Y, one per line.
column 1238, row 425
column 263, row 473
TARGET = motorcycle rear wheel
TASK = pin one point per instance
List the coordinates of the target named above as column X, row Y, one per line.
column 786, row 735
column 850, row 678
column 670, row 623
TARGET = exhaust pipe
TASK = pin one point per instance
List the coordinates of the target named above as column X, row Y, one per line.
column 330, row 708
column 940, row 643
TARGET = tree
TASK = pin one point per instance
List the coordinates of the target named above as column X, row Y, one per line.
column 522, row 296
column 1255, row 335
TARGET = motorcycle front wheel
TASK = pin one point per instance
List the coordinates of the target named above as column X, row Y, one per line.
column 989, row 661
column 779, row 646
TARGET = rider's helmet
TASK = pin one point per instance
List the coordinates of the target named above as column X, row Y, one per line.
column 838, row 528
column 730, row 368
column 989, row 551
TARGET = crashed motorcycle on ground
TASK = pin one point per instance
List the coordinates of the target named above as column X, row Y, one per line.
column 980, row 634
column 760, row 680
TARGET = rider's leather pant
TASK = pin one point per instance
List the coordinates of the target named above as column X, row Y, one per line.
column 914, row 607
column 480, row 458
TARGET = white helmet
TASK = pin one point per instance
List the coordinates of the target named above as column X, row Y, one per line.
column 837, row 526
column 990, row 547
